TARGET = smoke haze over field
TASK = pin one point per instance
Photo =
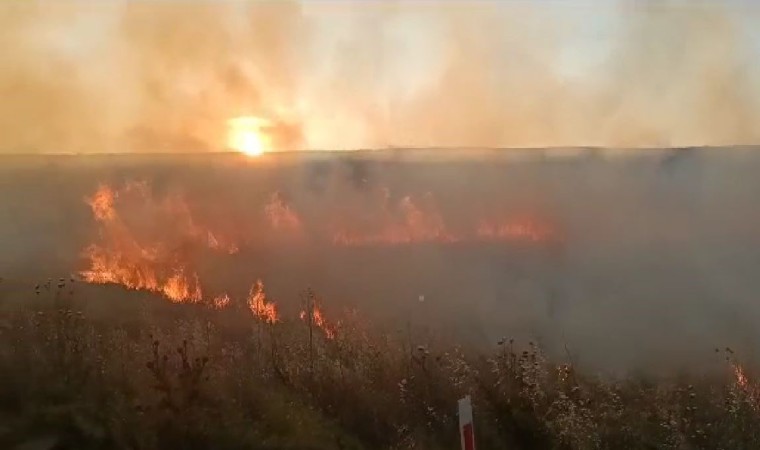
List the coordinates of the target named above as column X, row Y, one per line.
column 652, row 256
column 155, row 76
column 656, row 265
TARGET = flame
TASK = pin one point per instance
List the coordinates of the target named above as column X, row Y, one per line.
column 248, row 135
column 152, row 243
column 260, row 306
column 215, row 242
column 281, row 216
column 411, row 224
column 751, row 390
column 741, row 378
column 318, row 319
column 517, row 229
column 151, row 254
column 102, row 204
column 221, row 301
column 419, row 221
column 181, row 288
column 109, row 266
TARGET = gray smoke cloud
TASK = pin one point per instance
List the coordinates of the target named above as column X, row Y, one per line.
column 154, row 76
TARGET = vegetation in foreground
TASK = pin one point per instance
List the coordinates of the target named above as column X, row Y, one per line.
column 198, row 378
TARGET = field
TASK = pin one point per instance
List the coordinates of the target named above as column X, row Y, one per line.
column 181, row 376
column 603, row 300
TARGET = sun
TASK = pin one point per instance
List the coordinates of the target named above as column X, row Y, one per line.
column 248, row 135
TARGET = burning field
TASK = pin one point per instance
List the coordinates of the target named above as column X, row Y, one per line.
column 322, row 225
column 299, row 274
column 148, row 244
column 615, row 258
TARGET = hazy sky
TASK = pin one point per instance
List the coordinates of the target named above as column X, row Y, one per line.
column 108, row 76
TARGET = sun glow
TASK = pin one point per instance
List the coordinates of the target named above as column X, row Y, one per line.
column 248, row 135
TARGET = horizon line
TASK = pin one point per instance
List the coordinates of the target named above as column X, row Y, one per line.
column 392, row 149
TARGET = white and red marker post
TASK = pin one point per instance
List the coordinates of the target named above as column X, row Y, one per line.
column 466, row 429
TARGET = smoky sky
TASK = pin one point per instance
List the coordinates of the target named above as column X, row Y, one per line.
column 165, row 76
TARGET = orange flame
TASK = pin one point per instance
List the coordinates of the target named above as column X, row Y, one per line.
column 259, row 304
column 751, row 390
column 111, row 267
column 221, row 301
column 741, row 378
column 102, row 204
column 414, row 226
column 280, row 216
column 412, row 222
column 520, row 229
column 318, row 319
column 149, row 243
column 179, row 288
column 217, row 243
column 152, row 253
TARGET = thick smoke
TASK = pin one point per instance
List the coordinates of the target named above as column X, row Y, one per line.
column 154, row 76
column 656, row 268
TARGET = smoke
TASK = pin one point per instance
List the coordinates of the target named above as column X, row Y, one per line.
column 152, row 76
column 655, row 268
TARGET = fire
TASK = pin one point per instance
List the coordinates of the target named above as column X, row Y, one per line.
column 419, row 221
column 217, row 243
column 518, row 229
column 261, row 307
column 108, row 266
column 181, row 288
column 281, row 216
column 743, row 383
column 317, row 318
column 153, row 243
column 102, row 204
column 221, row 301
column 248, row 135
column 741, row 378
column 411, row 224
column 150, row 254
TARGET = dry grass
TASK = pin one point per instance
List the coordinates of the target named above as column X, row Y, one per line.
column 196, row 378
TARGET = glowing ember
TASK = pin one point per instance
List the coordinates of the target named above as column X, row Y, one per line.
column 260, row 306
column 248, row 135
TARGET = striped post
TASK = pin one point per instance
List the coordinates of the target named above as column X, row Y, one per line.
column 466, row 430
